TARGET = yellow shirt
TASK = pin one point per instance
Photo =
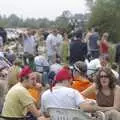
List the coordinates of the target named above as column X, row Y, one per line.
column 16, row 101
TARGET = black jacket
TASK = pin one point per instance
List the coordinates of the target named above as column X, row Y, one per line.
column 78, row 51
column 117, row 55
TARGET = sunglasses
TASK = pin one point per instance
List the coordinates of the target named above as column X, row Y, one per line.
column 104, row 76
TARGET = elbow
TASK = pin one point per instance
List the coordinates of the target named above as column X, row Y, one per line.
column 87, row 107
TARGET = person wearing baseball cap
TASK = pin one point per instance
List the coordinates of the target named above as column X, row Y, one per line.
column 18, row 100
column 63, row 96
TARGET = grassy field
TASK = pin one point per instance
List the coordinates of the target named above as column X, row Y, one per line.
column 112, row 53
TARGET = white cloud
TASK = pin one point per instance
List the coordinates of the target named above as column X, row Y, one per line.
column 41, row 8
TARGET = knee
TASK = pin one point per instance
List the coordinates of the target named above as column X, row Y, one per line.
column 113, row 112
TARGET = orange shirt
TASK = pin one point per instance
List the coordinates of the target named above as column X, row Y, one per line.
column 81, row 83
column 35, row 93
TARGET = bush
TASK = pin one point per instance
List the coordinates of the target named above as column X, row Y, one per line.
column 112, row 53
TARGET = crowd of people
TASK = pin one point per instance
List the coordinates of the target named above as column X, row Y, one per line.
column 72, row 73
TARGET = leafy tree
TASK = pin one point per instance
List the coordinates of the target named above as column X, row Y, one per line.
column 66, row 21
column 3, row 21
column 13, row 21
column 90, row 3
column 62, row 22
column 106, row 15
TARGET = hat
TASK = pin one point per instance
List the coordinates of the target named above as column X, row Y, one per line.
column 25, row 71
column 63, row 74
column 80, row 66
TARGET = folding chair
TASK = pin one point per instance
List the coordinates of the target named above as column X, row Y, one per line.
column 67, row 114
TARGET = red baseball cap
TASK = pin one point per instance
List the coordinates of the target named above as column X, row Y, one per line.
column 25, row 71
column 63, row 74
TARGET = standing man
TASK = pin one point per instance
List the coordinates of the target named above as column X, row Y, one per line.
column 29, row 49
column 3, row 34
column 78, row 49
column 117, row 56
column 51, row 46
column 94, row 43
column 59, row 44
column 1, row 41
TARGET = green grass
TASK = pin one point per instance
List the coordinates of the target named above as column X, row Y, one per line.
column 112, row 53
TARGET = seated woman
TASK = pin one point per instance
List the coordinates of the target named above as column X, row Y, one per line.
column 80, row 81
column 107, row 92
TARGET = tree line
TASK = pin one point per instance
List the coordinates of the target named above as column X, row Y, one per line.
column 105, row 14
column 66, row 21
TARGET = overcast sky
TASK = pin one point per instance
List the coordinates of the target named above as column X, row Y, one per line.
column 41, row 8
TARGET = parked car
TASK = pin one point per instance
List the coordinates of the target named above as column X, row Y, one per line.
column 12, row 34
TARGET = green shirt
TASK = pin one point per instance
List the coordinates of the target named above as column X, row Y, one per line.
column 65, row 52
column 16, row 101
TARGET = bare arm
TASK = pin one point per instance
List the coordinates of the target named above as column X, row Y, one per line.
column 93, row 108
column 33, row 110
column 43, row 118
column 90, row 90
column 117, row 98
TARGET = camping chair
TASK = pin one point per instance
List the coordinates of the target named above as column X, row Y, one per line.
column 67, row 114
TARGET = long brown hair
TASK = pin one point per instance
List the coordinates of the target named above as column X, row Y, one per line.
column 111, row 76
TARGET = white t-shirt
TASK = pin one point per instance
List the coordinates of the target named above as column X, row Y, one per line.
column 55, row 67
column 51, row 44
column 1, row 41
column 93, row 65
column 1, row 54
column 115, row 73
column 29, row 45
column 40, row 61
column 59, row 43
column 59, row 39
column 61, row 97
